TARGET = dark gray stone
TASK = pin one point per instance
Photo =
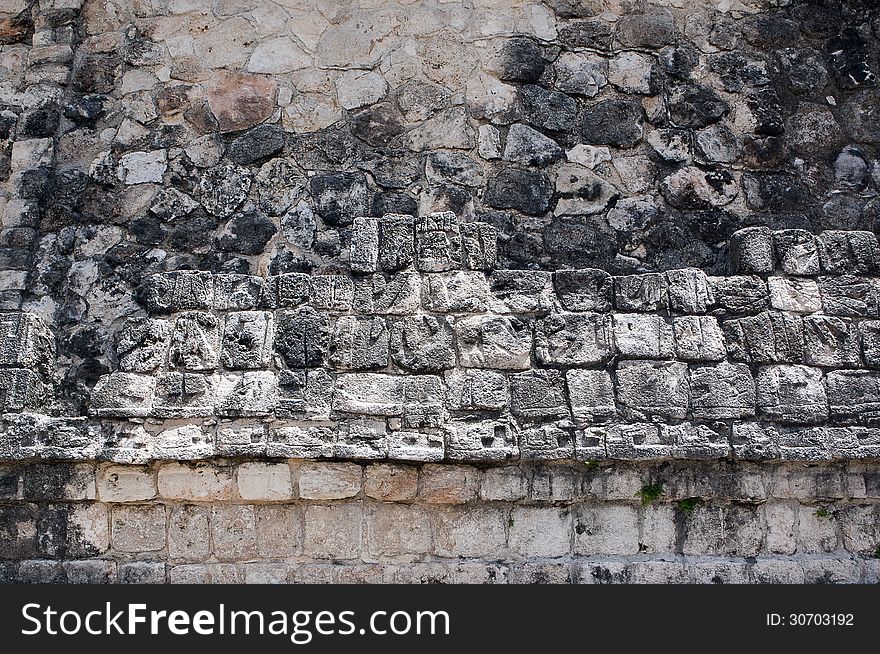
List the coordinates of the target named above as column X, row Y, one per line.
column 615, row 122
column 302, row 337
column 258, row 143
column 340, row 197
column 523, row 190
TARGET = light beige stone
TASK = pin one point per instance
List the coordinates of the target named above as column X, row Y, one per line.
column 264, row 481
column 200, row 481
column 329, row 481
column 126, row 484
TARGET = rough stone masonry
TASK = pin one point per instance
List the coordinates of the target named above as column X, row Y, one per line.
column 495, row 291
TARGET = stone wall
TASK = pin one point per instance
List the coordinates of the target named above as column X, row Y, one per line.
column 619, row 255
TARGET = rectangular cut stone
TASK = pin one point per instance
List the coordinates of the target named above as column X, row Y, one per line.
column 438, row 242
column 22, row 388
column 294, row 442
column 854, row 397
column 794, row 294
column 588, row 289
column 538, row 395
column 195, row 341
column 247, row 394
column 722, row 391
column 698, row 338
column 397, row 294
column 769, row 337
column 643, row 335
column 850, row 295
column 753, row 441
column 183, row 395
column 521, row 291
column 359, row 343
column 422, row 343
column 848, row 252
column 247, row 340
column 546, row 442
column 688, row 291
column 25, row 341
column 304, row 394
column 589, row 443
column 487, row 440
column 302, row 337
column 832, row 342
column 751, row 250
column 646, row 292
column 479, row 245
column 697, row 441
column 364, row 252
column 792, row 394
column 396, row 242
column 869, row 332
column 638, row 441
column 288, row 290
column 810, row 444
column 591, row 393
column 237, row 292
column 422, row 402
column 187, row 442
column 362, row 439
column 241, row 440
column 740, row 294
column 332, row 293
column 180, row 290
column 415, row 446
column 476, row 390
column 572, row 339
column 499, row 342
column 796, row 251
column 369, row 393
column 123, row 394
column 649, row 389
column 142, row 344
column 456, row 292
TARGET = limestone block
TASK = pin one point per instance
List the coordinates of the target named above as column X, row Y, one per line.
column 769, row 337
column 246, row 394
column 796, row 251
column 698, row 338
column 362, row 439
column 792, row 394
column 143, row 167
column 120, row 394
column 142, row 344
column 832, row 342
column 751, row 251
column 854, row 397
column 850, row 295
column 364, row 251
column 483, row 440
column 237, row 292
column 521, row 291
column 438, row 242
column 646, row 292
column 179, row 290
column 25, row 341
column 195, row 341
column 264, row 481
column 848, row 252
column 722, row 391
column 397, row 294
column 310, row 442
column 304, row 393
column 643, row 335
column 422, row 343
column 240, row 440
column 476, row 390
column 546, row 442
column 247, row 341
column 183, row 395
column 587, row 289
column 740, row 294
column 359, row 343
column 332, row 293
column 688, row 291
column 187, row 442
column 573, row 339
column 591, row 394
column 869, row 331
column 391, row 482
column 494, row 342
column 407, row 445
column 698, row 441
column 329, row 481
column 369, row 393
column 794, row 294
column 455, row 292
column 288, row 290
column 479, row 243
column 538, row 395
column 639, row 440
column 396, row 242
column 647, row 389
column 302, row 337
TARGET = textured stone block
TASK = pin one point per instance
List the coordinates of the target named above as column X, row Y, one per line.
column 237, row 292
column 279, row 530
column 455, row 292
column 241, row 440
column 521, row 291
column 390, row 482
column 364, row 251
column 21, row 388
column 201, row 481
column 869, row 331
column 189, row 537
column 333, row 293
column 302, row 337
column 126, row 484
column 195, row 341
column 396, row 242
column 398, row 294
column 332, row 531
column 797, row 252
column 688, row 291
column 647, row 389
column 546, row 442
column 854, row 397
column 850, row 295
column 638, row 441
column 438, row 242
column 832, row 342
column 646, row 292
column 142, row 344
column 479, row 246
column 247, row 340
column 848, row 252
column 362, row 439
column 467, row 532
column 485, row 440
column 769, row 337
column 540, row 531
column 138, row 528
column 588, row 289
column 494, row 342
column 448, row 484
column 751, row 250
column 359, row 343
column 288, row 290
column 609, row 529
column 722, row 391
column 120, row 394
column 247, row 394
column 741, row 294
column 312, row 442
column 476, row 390
column 264, row 481
column 407, row 445
column 369, row 393
column 641, row 335
column 395, row 530
column 179, row 290
column 422, row 402
column 792, row 394
column 572, row 339
column 234, row 532
column 698, row 338
column 697, row 441
column 538, row 395
column 304, row 393
column 422, row 344
column 25, row 341
column 183, row 395
column 794, row 294
column 591, row 394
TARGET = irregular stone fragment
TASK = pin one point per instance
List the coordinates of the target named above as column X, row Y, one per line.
column 850, row 295
column 792, row 394
column 357, row 88
column 489, row 145
column 455, row 292
column 304, row 393
column 693, row 188
column 529, row 147
column 476, row 390
column 298, row 225
column 652, row 389
column 489, row 99
column 769, row 337
column 796, row 251
column 651, row 30
column 848, row 252
column 359, row 343
column 832, row 342
column 688, row 290
column 394, row 294
column 258, row 143
column 854, row 397
column 247, row 233
column 340, row 197
column 741, row 294
column 422, row 344
column 573, row 339
column 248, row 394
column 591, row 394
column 479, row 242
column 673, row 145
column 278, row 183
column 143, row 167
column 170, row 204
column 581, row 73
column 195, row 341
column 587, row 289
column 396, row 242
column 521, row 291
column 794, row 294
column 694, row 105
column 182, row 289
column 754, row 441
column 486, row 440
column 722, row 392
column 237, row 292
column 698, row 338
column 142, row 344
column 362, row 439
column 438, row 242
column 494, row 342
column 247, row 340
column 449, row 129
column 630, row 72
column 523, row 190
column 332, row 293
column 584, row 192
column 647, row 292
column 455, row 167
column 183, row 395
column 240, row 100
column 518, row 60
column 223, row 189
column 718, row 144
column 287, row 290
column 549, row 110
column 643, row 335
column 615, row 122
column 120, row 394
column 302, row 337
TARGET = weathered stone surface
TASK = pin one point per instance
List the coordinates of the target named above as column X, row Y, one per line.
column 722, row 391
column 796, row 251
column 223, row 189
column 584, row 290
column 698, row 338
column 397, row 294
column 538, row 395
column 741, row 294
column 455, row 292
column 359, row 343
column 792, row 394
column 179, row 290
column 183, row 395
column 647, row 292
column 340, row 197
column 237, row 292
column 769, row 337
column 195, row 341
column 612, row 122
column 142, row 344
column 591, row 394
column 580, row 73
column 848, row 252
column 302, row 337
column 396, row 242
column 794, row 294
column 523, row 190
column 486, row 440
column 832, row 342
column 121, row 394
column 476, row 390
column 854, row 397
column 256, row 144
column 247, row 340
column 751, row 250
column 573, row 339
column 438, row 242
column 493, row 342
column 304, row 393
column 647, row 389
column 479, row 243
column 247, row 394
column 521, row 291
column 529, row 147
column 850, row 295
column 422, row 344
column 240, row 100
column 643, row 336
column 332, row 293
